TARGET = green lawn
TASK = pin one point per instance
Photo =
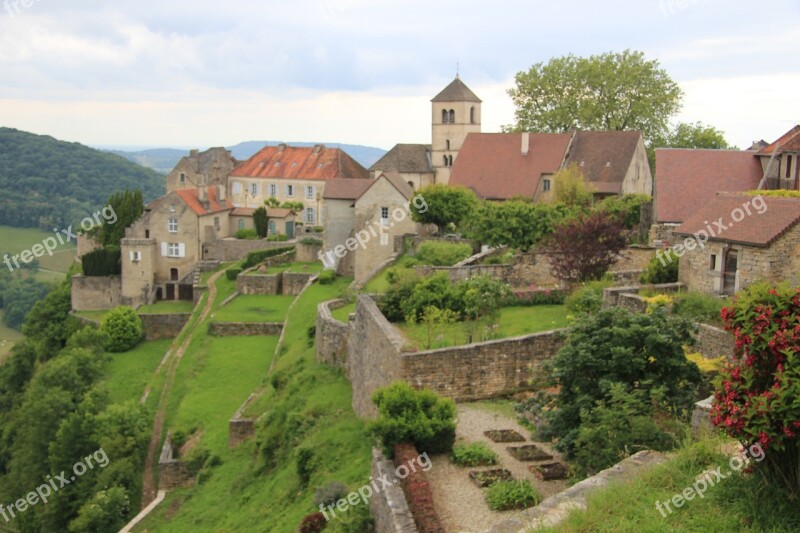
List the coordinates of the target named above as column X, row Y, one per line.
column 15, row 240
column 514, row 321
column 255, row 308
column 8, row 337
column 129, row 372
column 342, row 314
column 167, row 307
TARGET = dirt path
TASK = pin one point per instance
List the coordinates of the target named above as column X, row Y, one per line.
column 148, row 482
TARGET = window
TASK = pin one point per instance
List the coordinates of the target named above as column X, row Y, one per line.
column 310, row 192
column 216, row 222
column 448, row 144
column 452, row 117
column 273, row 189
column 173, row 249
column 445, row 160
column 472, row 115
column 444, row 116
column 147, row 234
column 788, row 166
column 254, row 189
column 237, row 187
column 384, row 216
column 448, row 160
column 241, row 223
column 546, row 185
column 183, row 177
column 271, row 227
column 136, row 257
column 712, row 264
column 311, row 216
column 173, row 225
column 290, row 191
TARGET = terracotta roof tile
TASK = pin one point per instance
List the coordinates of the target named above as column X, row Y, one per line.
column 191, row 197
column 492, row 164
column 457, row 91
column 300, row 163
column 604, row 157
column 788, row 142
column 762, row 229
column 345, row 189
column 688, row 179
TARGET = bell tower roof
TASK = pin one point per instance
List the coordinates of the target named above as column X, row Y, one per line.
column 457, row 91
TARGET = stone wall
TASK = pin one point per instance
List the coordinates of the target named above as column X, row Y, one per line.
column 661, row 234
column 533, row 269
column 461, row 273
column 626, row 277
column 611, row 295
column 632, row 302
column 482, row 370
column 86, row 243
column 236, row 249
column 635, row 258
column 714, row 342
column 389, row 507
column 172, row 473
column 157, row 327
column 241, row 428
column 95, row 293
column 307, row 253
column 244, row 329
column 258, row 283
column 294, row 282
column 331, row 336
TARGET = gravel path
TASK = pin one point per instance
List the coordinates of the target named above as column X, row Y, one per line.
column 459, row 502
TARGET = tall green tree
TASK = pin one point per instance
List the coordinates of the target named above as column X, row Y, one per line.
column 697, row 135
column 122, row 210
column 517, row 223
column 444, row 206
column 261, row 221
column 610, row 91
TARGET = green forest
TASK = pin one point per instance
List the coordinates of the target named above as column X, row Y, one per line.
column 46, row 183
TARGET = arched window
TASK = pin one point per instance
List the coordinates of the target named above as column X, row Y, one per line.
column 472, row 115
column 450, row 160
column 448, row 144
column 445, row 160
column 452, row 117
column 444, row 116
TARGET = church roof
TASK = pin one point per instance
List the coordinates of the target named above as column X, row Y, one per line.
column 457, row 91
column 406, row 158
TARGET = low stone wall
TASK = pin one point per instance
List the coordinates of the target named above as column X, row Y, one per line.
column 241, row 428
column 632, row 302
column 626, row 277
column 331, row 336
column 258, row 283
column 461, row 273
column 91, row 293
column 293, row 283
column 482, row 370
column 714, row 342
column 701, row 417
column 157, row 327
column 389, row 507
column 308, row 253
column 244, row 329
column 237, row 249
column 661, row 234
column 611, row 295
column 635, row 258
column 172, row 473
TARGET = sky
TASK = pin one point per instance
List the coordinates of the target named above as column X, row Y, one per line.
column 200, row 73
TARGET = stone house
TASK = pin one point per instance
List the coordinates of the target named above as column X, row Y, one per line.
column 500, row 166
column 161, row 249
column 760, row 241
column 413, row 162
column 210, row 168
column 780, row 161
column 289, row 173
column 340, row 212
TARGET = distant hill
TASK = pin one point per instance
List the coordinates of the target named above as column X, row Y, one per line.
column 164, row 159
column 46, row 183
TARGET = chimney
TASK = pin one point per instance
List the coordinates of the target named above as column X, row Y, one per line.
column 221, row 193
column 202, row 194
column 526, row 142
column 193, row 152
column 281, row 147
column 318, row 148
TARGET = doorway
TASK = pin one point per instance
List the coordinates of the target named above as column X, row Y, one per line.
column 729, row 272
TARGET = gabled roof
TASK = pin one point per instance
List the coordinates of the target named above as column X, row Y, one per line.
column 399, row 183
column 191, row 197
column 493, row 165
column 788, row 142
column 345, row 189
column 300, row 163
column 757, row 229
column 406, row 158
column 604, row 157
column 688, row 179
column 204, row 162
column 457, row 91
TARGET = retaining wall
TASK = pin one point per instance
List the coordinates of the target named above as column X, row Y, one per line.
column 172, row 473
column 389, row 507
column 157, row 327
column 244, row 329
column 331, row 336
column 94, row 293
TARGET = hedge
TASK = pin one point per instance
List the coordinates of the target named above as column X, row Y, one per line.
column 254, row 258
column 102, row 262
column 418, row 490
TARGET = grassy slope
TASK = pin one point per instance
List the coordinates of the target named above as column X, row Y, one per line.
column 240, row 495
column 255, row 308
column 128, row 372
column 167, row 307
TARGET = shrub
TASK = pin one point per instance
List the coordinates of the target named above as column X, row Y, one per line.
column 313, row 523
column 588, row 299
column 249, row 234
column 627, row 208
column 707, row 365
column 311, row 241
column 432, row 291
column 278, row 238
column 318, row 229
column 330, row 493
column 508, row 495
column 254, row 258
column 123, row 327
column 438, row 253
column 474, row 454
column 756, row 397
column 699, row 307
column 663, row 268
column 326, row 277
column 102, row 262
column 584, row 248
column 261, row 222
column 232, row 273
column 659, row 301
column 419, row 417
column 305, row 465
column 419, row 494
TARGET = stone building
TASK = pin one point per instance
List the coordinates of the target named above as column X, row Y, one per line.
column 280, row 221
column 760, row 241
column 780, row 161
column 290, row 173
column 209, row 168
column 413, row 162
column 340, row 212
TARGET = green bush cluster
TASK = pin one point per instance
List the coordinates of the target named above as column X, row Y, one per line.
column 281, row 237
column 326, row 277
column 441, row 253
column 508, row 495
column 232, row 272
column 474, row 454
column 254, row 258
column 699, row 307
column 311, row 241
column 627, row 208
column 663, row 268
column 588, row 298
column 419, row 417
column 123, row 327
column 248, row 234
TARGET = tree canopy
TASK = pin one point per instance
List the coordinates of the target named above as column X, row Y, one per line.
column 697, row 135
column 444, row 206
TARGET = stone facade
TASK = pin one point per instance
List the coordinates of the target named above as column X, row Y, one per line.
column 448, row 134
column 714, row 342
column 244, row 329
column 258, row 283
column 340, row 215
column 331, row 336
column 91, row 293
column 294, row 282
column 86, row 244
column 389, row 507
column 701, row 269
column 172, row 472
column 157, row 327
column 661, row 234
column 210, row 167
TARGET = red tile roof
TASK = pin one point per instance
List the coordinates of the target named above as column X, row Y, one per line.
column 780, row 215
column 604, row 157
column 492, row 164
column 303, row 163
column 345, row 189
column 789, row 142
column 191, row 198
column 687, row 179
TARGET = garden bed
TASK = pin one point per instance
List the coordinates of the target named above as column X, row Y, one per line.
column 504, row 435
column 487, row 478
column 529, row 452
column 549, row 471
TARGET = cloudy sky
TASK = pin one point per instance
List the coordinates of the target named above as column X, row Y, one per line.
column 199, row 73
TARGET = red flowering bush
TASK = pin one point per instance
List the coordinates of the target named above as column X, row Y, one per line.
column 757, row 398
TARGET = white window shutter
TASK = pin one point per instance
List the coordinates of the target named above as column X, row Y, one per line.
column 164, row 250
column 133, row 256
column 181, row 250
